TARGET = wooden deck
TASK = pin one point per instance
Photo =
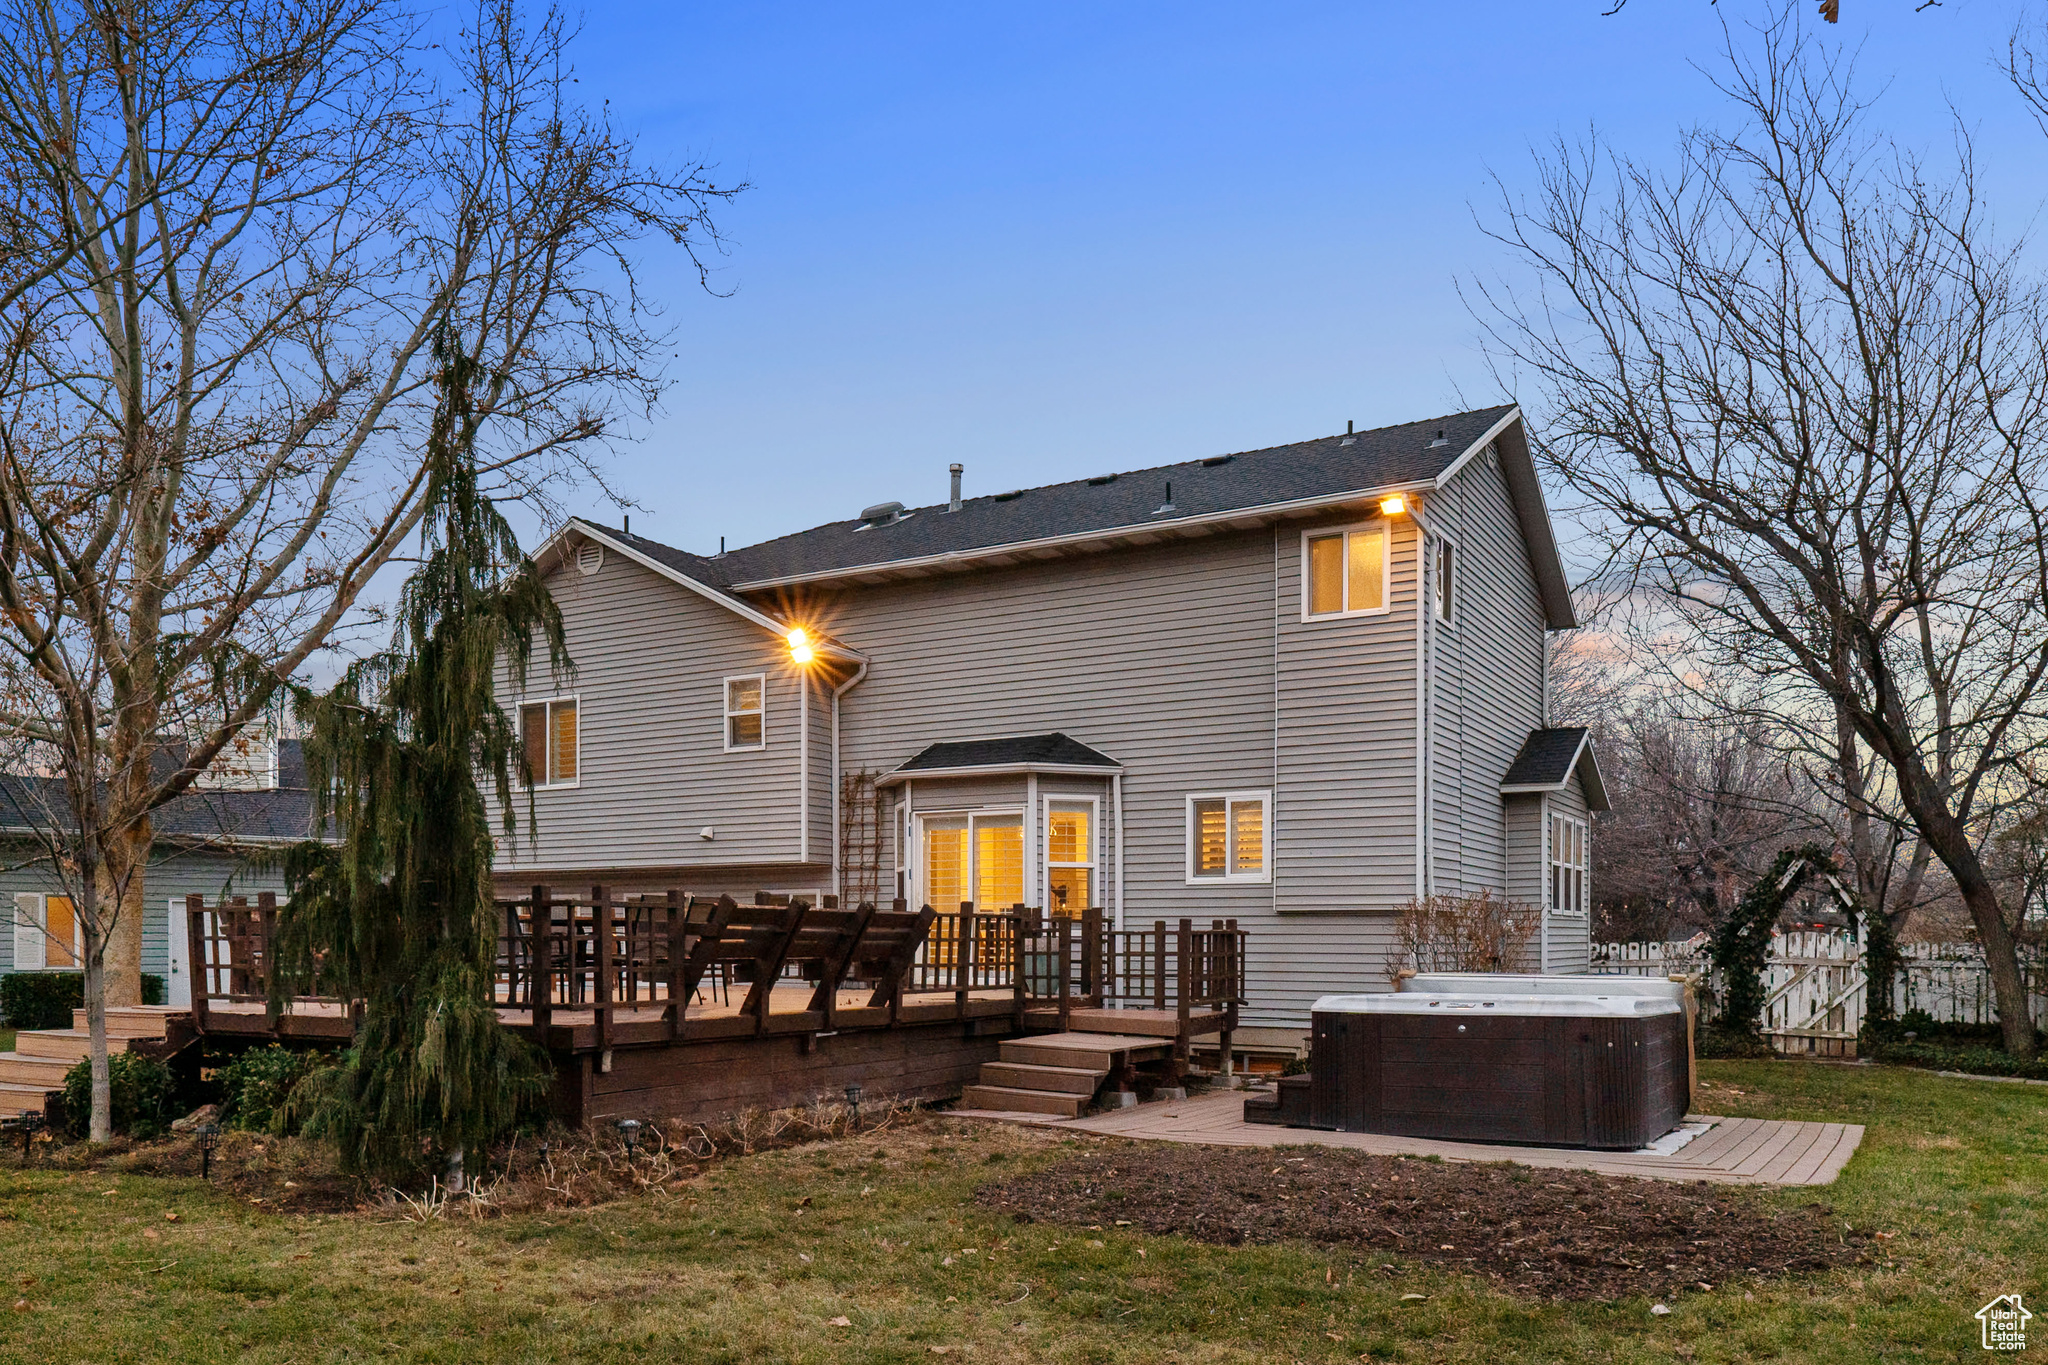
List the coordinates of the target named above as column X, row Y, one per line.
column 1731, row 1151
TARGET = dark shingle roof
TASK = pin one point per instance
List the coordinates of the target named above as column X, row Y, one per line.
column 1327, row 467
column 1015, row 751
column 280, row 814
column 1546, row 758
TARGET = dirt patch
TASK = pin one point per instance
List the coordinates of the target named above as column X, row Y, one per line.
column 1548, row 1234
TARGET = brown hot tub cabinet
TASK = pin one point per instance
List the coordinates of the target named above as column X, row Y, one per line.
column 1585, row 1070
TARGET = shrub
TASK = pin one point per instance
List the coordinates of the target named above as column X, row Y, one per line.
column 34, row 1000
column 142, row 1095
column 255, row 1087
column 1481, row 933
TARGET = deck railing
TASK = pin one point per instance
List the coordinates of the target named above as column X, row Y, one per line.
column 644, row 958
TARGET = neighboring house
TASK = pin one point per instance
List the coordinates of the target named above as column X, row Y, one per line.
column 221, row 838
column 1293, row 687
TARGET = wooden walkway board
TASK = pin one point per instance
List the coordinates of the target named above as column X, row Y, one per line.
column 1732, row 1152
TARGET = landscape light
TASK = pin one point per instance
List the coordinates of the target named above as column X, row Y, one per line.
column 853, row 1100
column 629, row 1130
column 209, row 1138
column 1394, row 506
column 800, row 651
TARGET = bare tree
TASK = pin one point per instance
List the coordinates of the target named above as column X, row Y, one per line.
column 230, row 234
column 1802, row 392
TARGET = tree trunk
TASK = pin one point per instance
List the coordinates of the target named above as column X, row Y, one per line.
column 124, row 898
column 2001, row 955
column 102, row 1126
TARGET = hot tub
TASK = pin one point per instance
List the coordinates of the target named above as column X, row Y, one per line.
column 1500, row 1064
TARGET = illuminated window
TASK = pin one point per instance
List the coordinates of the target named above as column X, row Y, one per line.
column 1570, row 862
column 1229, row 837
column 1069, row 857
column 976, row 858
column 1345, row 572
column 746, row 712
column 548, row 735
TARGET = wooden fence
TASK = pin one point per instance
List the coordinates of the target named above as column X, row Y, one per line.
column 1815, row 984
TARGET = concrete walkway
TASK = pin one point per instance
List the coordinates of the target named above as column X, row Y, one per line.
column 1731, row 1151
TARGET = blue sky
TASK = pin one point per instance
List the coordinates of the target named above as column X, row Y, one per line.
column 1051, row 241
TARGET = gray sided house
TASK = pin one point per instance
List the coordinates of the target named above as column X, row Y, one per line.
column 220, row 839
column 1295, row 687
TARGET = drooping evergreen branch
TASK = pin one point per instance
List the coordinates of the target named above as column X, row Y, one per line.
column 400, row 914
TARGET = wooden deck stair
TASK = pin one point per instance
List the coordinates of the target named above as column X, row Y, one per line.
column 42, row 1057
column 1057, row 1073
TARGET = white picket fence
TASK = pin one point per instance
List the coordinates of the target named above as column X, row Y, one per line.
column 1814, row 984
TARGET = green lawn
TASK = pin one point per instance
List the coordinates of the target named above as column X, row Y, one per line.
column 758, row 1258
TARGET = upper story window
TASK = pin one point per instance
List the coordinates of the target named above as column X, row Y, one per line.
column 746, row 712
column 1069, row 856
column 1344, row 572
column 548, row 731
column 1230, row 837
column 1446, row 581
column 1570, row 861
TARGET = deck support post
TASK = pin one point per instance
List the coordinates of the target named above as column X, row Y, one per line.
column 1018, row 987
column 541, row 938
column 678, row 998
column 266, row 928
column 1233, row 970
column 1091, row 957
column 601, row 956
column 1184, row 943
column 195, row 947
column 963, row 960
column 1063, row 964
column 1158, row 964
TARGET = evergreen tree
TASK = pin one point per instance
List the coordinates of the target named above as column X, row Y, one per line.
column 400, row 915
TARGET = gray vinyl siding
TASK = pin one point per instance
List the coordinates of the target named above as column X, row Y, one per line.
column 651, row 658
column 1526, row 871
column 174, row 873
column 1571, row 936
column 1487, row 674
column 1189, row 663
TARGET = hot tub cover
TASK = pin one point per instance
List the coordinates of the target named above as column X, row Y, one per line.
column 1503, row 983
column 1617, row 1006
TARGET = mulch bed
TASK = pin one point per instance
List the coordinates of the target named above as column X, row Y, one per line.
column 1546, row 1234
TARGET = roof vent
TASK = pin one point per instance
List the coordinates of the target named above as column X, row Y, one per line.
column 1215, row 460
column 589, row 557
column 1441, row 439
column 1101, row 479
column 1349, row 437
column 881, row 514
column 1010, row 496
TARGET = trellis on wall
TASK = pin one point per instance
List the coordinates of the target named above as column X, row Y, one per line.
column 863, row 832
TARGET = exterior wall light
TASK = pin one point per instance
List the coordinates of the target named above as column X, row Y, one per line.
column 1394, row 506
column 800, row 651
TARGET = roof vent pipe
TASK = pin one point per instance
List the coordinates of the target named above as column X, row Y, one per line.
column 953, row 503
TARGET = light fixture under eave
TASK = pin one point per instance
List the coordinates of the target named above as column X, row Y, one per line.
column 1394, row 506
column 800, row 651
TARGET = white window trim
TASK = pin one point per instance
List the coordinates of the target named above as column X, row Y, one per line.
column 31, row 927
column 1386, row 533
column 1094, row 864
column 726, row 713
column 1550, row 863
column 519, row 711
column 1227, row 877
column 921, row 891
